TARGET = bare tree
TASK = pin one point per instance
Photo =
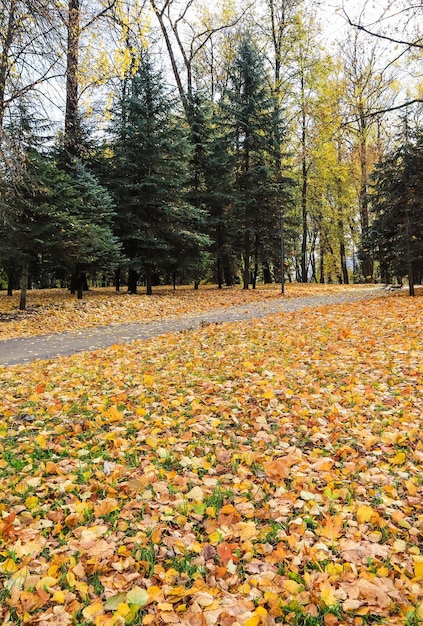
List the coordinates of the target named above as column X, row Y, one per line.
column 186, row 39
column 26, row 57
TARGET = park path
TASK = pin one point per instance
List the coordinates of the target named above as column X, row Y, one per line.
column 26, row 349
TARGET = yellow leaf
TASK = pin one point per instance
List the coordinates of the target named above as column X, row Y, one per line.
column 398, row 459
column 93, row 610
column 292, row 587
column 31, row 502
column 327, row 597
column 46, row 582
column 113, row 414
column 411, row 487
column 365, row 514
column 59, row 597
column 268, row 395
column 70, row 579
column 123, row 610
column 165, row 606
column 153, row 593
column 8, row 567
column 148, row 380
column 41, row 441
column 254, row 620
column 82, row 588
column 418, row 566
column 215, row 537
column 332, row 528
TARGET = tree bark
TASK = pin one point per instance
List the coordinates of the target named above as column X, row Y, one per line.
column 117, row 279
column 304, row 185
column 24, row 286
column 247, row 252
column 10, row 282
column 148, row 281
column 132, row 281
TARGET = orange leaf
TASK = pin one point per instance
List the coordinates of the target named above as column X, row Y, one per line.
column 333, row 527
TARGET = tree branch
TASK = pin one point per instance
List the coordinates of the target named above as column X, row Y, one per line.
column 418, row 43
column 96, row 17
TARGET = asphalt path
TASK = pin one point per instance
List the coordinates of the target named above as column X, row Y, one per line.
column 26, row 349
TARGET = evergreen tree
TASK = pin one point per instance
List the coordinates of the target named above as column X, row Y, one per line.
column 156, row 224
column 249, row 115
column 54, row 220
column 395, row 237
column 211, row 182
column 89, row 244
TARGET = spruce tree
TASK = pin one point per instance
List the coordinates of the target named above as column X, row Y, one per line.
column 395, row 237
column 155, row 222
column 248, row 112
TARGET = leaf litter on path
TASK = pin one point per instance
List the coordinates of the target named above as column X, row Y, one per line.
column 53, row 311
column 256, row 473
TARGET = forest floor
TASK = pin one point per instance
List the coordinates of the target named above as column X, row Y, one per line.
column 262, row 472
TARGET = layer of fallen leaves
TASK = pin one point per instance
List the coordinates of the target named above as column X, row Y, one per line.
column 56, row 310
column 242, row 475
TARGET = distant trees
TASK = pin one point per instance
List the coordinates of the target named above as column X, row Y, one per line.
column 265, row 135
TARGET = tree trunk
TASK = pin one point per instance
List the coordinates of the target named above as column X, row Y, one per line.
column 367, row 264
column 132, row 281
column 267, row 274
column 343, row 261
column 322, row 266
column 304, row 185
column 228, row 271
column 256, row 263
column 176, row 73
column 246, row 272
column 10, row 282
column 24, row 286
column 219, row 273
column 410, row 268
column 71, row 139
column 148, row 281
column 117, row 279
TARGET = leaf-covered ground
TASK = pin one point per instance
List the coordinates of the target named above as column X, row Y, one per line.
column 242, row 475
column 56, row 310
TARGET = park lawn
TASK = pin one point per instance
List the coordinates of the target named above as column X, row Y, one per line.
column 56, row 310
column 246, row 474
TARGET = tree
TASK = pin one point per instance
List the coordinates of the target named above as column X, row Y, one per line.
column 148, row 178
column 26, row 52
column 367, row 90
column 248, row 109
column 311, row 71
column 396, row 235
column 186, row 37
column 53, row 219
